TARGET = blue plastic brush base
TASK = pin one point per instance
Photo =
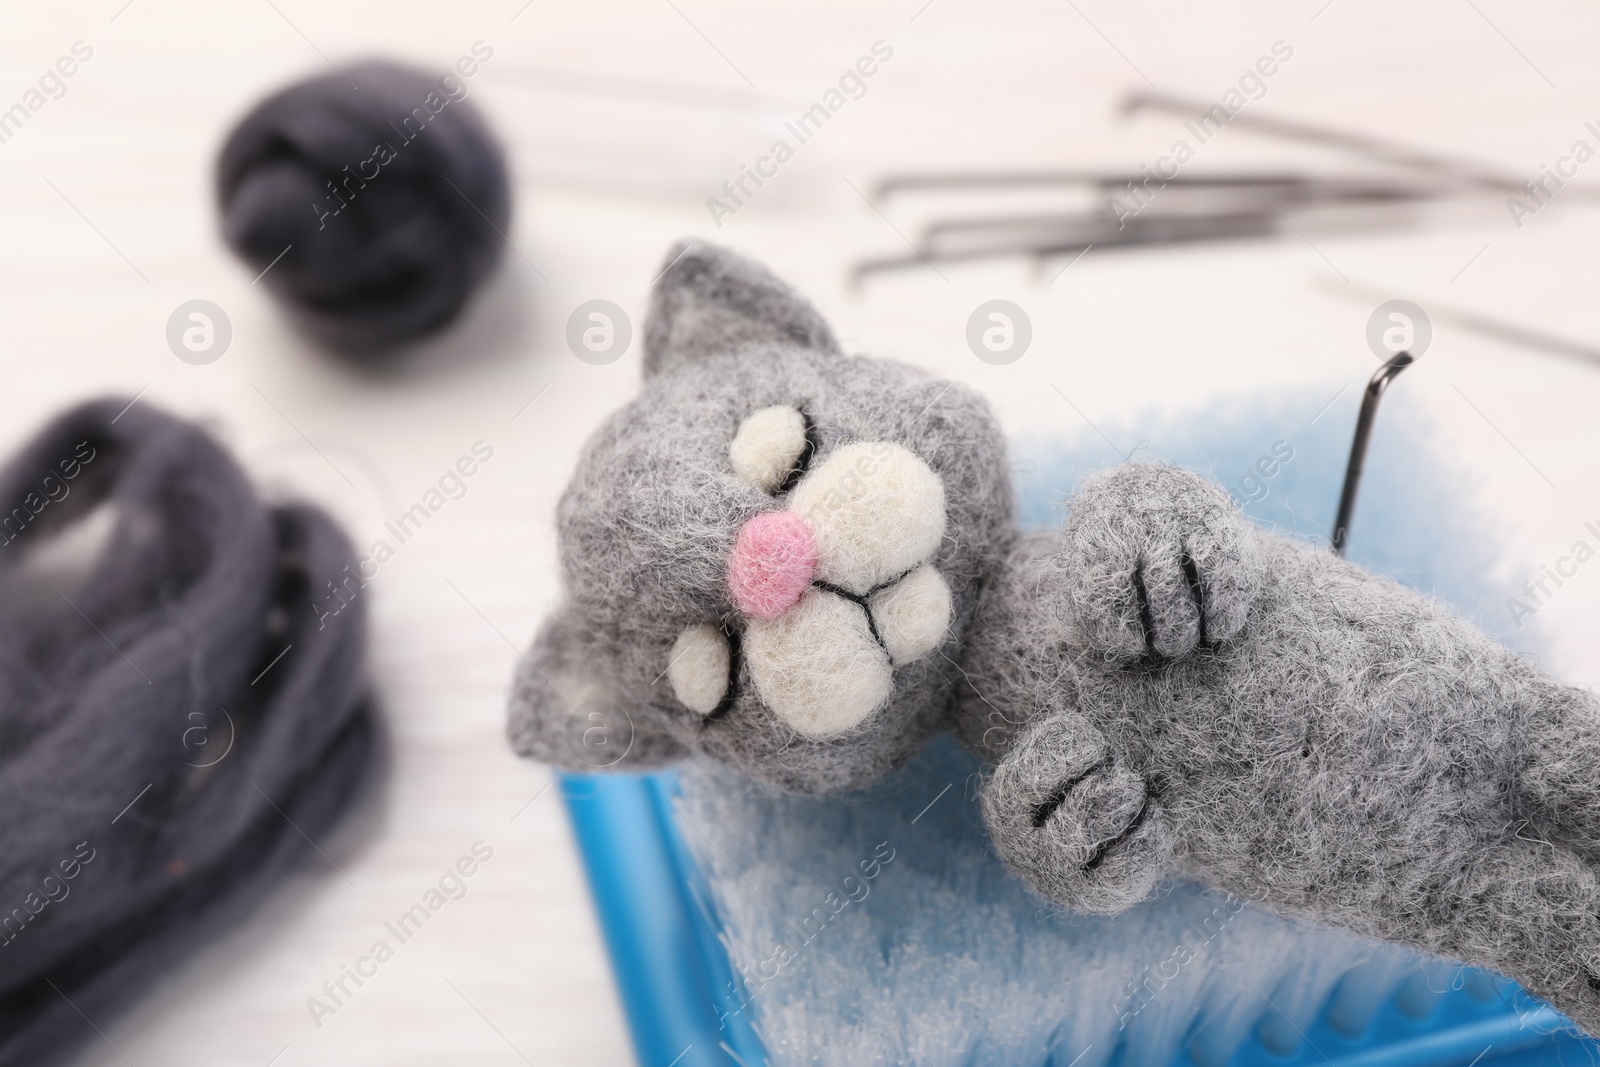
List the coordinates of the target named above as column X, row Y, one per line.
column 684, row 1007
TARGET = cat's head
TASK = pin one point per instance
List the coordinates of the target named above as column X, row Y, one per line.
column 771, row 556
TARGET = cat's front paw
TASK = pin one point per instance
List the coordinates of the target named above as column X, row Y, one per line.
column 1075, row 823
column 1155, row 562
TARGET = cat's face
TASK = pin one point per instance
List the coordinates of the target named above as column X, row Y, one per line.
column 771, row 555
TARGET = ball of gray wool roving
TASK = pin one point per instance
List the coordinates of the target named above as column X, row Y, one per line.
column 384, row 194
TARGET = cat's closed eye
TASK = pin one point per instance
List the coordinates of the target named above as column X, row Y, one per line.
column 773, row 448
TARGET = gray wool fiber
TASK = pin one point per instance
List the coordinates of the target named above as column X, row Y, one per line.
column 379, row 211
column 1159, row 688
column 177, row 725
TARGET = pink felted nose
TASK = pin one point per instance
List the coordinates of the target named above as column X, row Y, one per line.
column 774, row 560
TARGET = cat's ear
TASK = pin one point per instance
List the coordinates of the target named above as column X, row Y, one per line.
column 564, row 713
column 708, row 300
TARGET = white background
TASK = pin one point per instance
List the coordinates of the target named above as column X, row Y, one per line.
column 621, row 119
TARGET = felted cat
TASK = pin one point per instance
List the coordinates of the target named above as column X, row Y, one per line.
column 805, row 564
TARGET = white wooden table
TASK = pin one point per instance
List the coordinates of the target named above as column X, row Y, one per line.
column 623, row 118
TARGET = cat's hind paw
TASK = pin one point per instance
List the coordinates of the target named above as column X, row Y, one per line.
column 1073, row 822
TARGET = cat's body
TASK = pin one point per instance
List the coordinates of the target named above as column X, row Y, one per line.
column 1355, row 755
column 805, row 564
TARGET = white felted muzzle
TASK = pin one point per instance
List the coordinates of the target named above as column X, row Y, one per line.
column 875, row 515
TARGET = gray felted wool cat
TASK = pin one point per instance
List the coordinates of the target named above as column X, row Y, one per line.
column 805, row 564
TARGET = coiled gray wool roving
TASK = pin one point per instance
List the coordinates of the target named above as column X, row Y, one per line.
column 384, row 194
column 177, row 723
